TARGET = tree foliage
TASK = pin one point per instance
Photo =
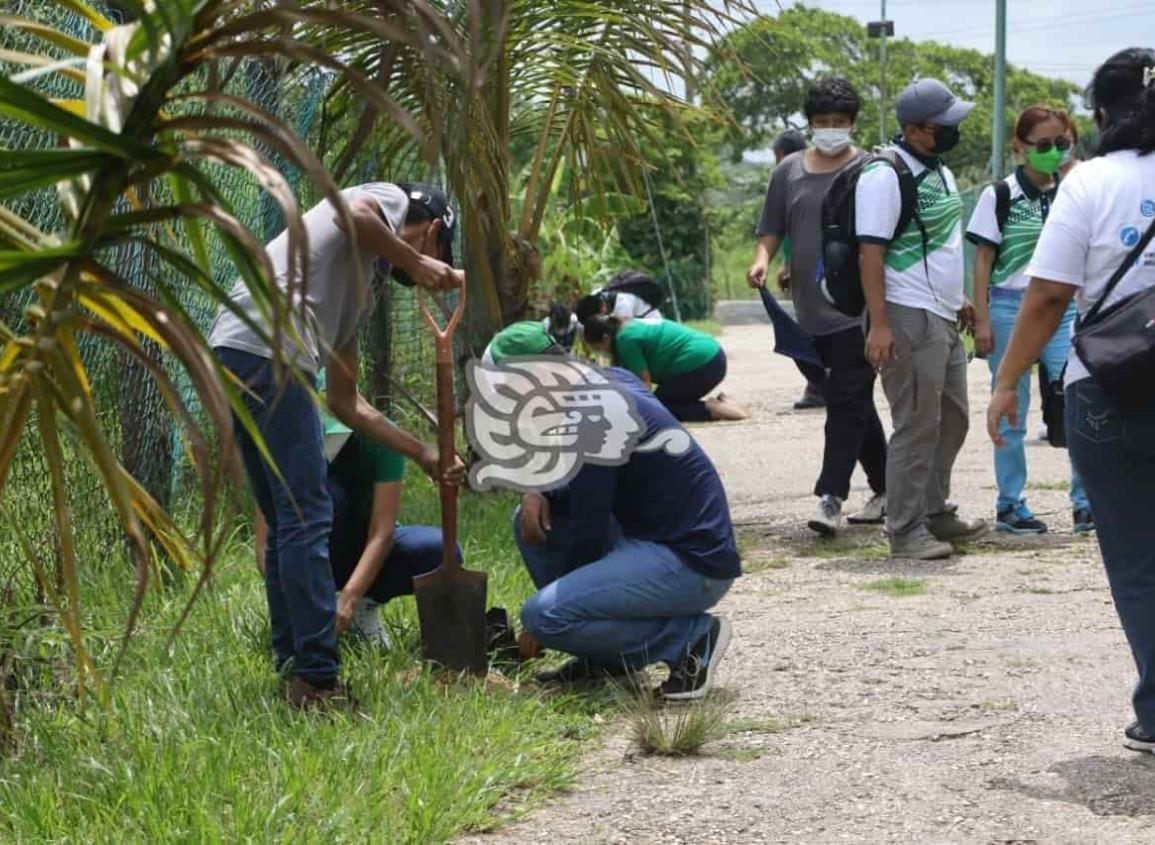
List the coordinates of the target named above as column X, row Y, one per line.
column 764, row 67
column 574, row 83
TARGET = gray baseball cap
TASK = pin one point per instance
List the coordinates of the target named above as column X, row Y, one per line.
column 929, row 101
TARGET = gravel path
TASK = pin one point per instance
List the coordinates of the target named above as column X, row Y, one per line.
column 986, row 709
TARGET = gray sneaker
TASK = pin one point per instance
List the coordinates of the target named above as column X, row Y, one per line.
column 366, row 625
column 949, row 527
column 873, row 513
column 828, row 518
column 919, row 544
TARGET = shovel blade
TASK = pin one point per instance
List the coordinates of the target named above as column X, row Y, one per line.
column 451, row 610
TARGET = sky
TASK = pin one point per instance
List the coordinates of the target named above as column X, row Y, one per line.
column 1065, row 38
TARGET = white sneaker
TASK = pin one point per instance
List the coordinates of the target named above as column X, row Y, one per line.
column 366, row 624
column 872, row 513
column 829, row 517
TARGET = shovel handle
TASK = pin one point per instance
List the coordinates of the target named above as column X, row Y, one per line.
column 443, row 341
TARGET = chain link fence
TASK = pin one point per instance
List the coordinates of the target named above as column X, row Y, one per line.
column 398, row 370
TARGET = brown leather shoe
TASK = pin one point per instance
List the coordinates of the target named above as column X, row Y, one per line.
column 303, row 695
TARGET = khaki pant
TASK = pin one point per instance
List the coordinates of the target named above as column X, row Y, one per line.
column 927, row 391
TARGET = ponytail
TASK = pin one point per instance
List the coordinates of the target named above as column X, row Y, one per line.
column 1123, row 97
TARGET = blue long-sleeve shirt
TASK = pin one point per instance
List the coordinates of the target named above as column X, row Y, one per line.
column 675, row 500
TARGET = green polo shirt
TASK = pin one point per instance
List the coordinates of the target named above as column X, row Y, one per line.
column 377, row 464
column 665, row 348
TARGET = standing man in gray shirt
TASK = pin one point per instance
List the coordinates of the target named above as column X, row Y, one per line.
column 793, row 209
column 407, row 229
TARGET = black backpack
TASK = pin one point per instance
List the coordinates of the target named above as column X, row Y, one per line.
column 839, row 271
column 637, row 283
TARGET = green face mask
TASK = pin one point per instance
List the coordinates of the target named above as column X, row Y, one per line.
column 1047, row 162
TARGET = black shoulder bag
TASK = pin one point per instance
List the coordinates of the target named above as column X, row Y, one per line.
column 1117, row 344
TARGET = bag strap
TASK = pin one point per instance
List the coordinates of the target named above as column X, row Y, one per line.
column 1120, row 272
column 1002, row 203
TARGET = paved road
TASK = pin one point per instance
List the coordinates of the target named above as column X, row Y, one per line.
column 986, row 709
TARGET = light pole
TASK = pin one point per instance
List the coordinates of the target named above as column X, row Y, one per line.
column 998, row 136
column 881, row 29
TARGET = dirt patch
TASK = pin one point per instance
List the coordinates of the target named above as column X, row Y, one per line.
column 986, row 708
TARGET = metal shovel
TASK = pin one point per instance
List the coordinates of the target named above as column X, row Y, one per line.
column 450, row 599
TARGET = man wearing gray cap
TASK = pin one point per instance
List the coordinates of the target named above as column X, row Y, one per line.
column 913, row 284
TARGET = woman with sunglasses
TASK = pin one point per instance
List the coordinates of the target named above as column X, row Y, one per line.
column 1005, row 227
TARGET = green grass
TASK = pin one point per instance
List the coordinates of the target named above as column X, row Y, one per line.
column 674, row 729
column 865, row 547
column 1062, row 486
column 763, row 563
column 898, row 587
column 195, row 745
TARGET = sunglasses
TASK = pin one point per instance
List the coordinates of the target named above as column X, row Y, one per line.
column 1044, row 145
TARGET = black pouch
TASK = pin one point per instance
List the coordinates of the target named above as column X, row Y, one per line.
column 1117, row 344
column 1054, row 407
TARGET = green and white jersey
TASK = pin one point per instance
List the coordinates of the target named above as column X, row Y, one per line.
column 936, row 284
column 1016, row 242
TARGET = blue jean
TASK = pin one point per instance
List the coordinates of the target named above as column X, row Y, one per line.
column 637, row 605
column 1115, row 454
column 298, row 582
column 1011, row 458
column 416, row 550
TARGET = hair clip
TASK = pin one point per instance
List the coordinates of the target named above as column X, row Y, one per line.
column 1148, row 76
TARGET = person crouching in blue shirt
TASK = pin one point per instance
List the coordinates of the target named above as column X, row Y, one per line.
column 628, row 559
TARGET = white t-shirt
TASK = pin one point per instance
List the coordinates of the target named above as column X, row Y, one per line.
column 1102, row 210
column 335, row 303
column 1016, row 242
column 630, row 306
column 936, row 284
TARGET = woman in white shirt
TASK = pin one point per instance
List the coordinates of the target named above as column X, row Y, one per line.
column 1005, row 240
column 1101, row 213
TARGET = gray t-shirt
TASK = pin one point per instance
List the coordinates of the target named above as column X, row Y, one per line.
column 793, row 209
column 335, row 303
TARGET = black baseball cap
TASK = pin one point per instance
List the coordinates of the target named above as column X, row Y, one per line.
column 433, row 201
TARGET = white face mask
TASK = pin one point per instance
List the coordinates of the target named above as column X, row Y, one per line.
column 830, row 142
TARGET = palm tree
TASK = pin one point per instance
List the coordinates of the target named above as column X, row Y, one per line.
column 573, row 84
column 137, row 157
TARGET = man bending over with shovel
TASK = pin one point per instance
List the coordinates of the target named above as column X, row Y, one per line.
column 628, row 559
column 373, row 558
column 408, row 230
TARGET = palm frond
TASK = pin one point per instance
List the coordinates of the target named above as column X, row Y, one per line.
column 137, row 164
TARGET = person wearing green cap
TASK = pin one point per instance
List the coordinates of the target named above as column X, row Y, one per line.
column 518, row 340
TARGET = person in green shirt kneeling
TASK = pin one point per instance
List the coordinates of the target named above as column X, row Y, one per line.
column 373, row 558
column 684, row 363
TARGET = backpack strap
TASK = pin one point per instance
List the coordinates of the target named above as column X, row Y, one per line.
column 907, row 191
column 1002, row 203
column 908, row 202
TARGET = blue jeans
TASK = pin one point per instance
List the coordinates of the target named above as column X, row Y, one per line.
column 298, row 582
column 637, row 605
column 1115, row 454
column 416, row 550
column 1011, row 458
